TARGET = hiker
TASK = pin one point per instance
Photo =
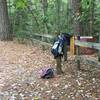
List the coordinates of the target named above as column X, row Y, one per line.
column 60, row 49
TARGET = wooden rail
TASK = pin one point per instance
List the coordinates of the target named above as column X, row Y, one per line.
column 42, row 38
column 89, row 61
column 44, row 35
column 88, row 44
column 41, row 42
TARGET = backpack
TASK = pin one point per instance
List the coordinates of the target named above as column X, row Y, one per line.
column 57, row 49
column 47, row 73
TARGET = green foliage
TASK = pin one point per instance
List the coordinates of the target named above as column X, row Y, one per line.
column 20, row 4
column 27, row 18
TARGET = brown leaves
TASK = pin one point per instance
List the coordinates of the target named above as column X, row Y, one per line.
column 19, row 80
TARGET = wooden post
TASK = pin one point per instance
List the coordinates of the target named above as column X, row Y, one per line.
column 78, row 54
column 99, row 51
column 72, row 48
column 65, row 51
column 59, row 66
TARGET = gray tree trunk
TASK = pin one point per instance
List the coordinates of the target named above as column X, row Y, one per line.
column 5, row 29
column 44, row 6
column 77, row 11
column 58, row 15
column 91, row 17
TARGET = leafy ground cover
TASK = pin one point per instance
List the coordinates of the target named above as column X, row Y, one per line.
column 19, row 76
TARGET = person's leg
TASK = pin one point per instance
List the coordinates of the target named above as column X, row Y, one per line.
column 59, row 66
column 65, row 51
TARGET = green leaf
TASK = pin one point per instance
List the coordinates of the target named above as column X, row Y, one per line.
column 20, row 4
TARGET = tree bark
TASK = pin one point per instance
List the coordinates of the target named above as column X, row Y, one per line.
column 58, row 15
column 91, row 17
column 5, row 28
column 77, row 11
column 69, row 15
column 44, row 6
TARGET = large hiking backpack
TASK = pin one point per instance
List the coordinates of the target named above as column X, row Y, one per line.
column 57, row 48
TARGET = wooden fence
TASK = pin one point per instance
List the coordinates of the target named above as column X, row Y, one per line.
column 43, row 39
column 80, row 58
column 47, row 40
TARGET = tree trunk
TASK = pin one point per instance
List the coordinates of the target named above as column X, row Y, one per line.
column 77, row 11
column 44, row 6
column 91, row 17
column 58, row 15
column 5, row 29
column 69, row 15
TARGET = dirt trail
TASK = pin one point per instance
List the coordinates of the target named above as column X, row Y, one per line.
column 19, row 80
column 17, row 60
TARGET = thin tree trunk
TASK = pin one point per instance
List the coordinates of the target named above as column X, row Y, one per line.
column 91, row 17
column 44, row 6
column 77, row 9
column 5, row 28
column 69, row 15
column 58, row 15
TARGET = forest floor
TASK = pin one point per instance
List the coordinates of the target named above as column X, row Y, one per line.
column 19, row 76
